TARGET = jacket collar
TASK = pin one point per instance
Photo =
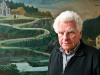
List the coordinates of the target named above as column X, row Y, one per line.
column 58, row 51
column 81, row 49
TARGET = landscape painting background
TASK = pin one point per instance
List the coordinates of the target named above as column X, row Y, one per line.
column 27, row 37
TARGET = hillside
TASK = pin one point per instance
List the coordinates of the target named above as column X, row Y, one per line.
column 8, row 32
column 91, row 28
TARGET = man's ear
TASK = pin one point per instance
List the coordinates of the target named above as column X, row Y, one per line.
column 80, row 34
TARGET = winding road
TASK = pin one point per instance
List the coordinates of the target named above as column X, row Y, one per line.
column 17, row 26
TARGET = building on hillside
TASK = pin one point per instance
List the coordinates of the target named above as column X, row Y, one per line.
column 98, row 42
column 48, row 14
column 90, row 42
column 18, row 11
column 4, row 10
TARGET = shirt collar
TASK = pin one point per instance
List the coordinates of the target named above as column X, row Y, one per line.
column 72, row 51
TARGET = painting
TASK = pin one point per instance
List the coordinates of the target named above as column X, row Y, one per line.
column 27, row 36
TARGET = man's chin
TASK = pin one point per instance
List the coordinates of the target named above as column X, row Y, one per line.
column 66, row 45
column 66, row 48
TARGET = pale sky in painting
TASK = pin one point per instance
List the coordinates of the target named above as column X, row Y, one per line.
column 87, row 9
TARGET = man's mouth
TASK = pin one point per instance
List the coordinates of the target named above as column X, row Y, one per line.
column 66, row 43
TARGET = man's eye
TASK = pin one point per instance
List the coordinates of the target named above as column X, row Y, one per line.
column 61, row 33
column 70, row 32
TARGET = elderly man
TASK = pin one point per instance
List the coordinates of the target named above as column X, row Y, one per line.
column 72, row 56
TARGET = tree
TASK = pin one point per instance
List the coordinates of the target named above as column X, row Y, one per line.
column 14, row 68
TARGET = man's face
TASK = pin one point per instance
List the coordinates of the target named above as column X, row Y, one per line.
column 68, row 35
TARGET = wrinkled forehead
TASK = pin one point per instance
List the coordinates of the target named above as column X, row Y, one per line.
column 67, row 24
column 65, row 21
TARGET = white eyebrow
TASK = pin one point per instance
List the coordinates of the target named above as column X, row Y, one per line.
column 72, row 29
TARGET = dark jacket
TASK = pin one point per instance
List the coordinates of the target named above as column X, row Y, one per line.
column 86, row 61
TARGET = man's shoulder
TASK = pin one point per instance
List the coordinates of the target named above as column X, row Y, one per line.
column 56, row 51
column 91, row 50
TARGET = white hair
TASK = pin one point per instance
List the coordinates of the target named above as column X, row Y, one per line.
column 66, row 17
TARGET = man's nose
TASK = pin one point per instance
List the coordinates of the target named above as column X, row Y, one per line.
column 65, row 37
